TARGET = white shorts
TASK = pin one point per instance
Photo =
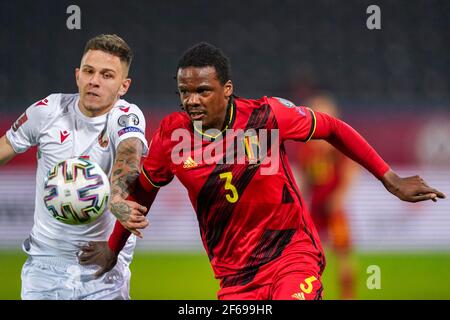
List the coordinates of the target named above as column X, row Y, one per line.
column 50, row 278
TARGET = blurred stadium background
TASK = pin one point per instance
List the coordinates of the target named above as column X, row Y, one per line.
column 392, row 85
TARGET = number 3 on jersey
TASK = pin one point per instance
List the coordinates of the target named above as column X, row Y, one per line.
column 228, row 186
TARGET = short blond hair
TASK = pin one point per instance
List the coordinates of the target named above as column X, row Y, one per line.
column 112, row 44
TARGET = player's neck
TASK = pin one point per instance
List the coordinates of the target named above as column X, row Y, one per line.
column 94, row 113
column 224, row 121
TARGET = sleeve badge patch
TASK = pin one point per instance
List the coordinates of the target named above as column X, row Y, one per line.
column 287, row 103
column 128, row 120
column 129, row 129
column 22, row 119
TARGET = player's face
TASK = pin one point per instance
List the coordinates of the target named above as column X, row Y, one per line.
column 101, row 80
column 203, row 97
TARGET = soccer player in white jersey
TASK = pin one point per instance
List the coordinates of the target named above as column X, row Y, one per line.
column 95, row 123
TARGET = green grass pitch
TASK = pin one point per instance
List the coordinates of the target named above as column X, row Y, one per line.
column 181, row 276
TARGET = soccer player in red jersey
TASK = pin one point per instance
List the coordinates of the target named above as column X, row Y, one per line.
column 254, row 224
column 327, row 176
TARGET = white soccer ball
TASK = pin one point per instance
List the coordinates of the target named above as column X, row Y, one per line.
column 76, row 191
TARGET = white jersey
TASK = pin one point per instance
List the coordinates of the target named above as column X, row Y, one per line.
column 60, row 131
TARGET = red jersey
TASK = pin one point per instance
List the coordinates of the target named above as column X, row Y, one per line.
column 247, row 219
column 323, row 166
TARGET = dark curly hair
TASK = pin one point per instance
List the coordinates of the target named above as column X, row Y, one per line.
column 204, row 54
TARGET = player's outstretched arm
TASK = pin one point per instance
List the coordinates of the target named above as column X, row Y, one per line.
column 105, row 253
column 132, row 187
column 353, row 145
column 411, row 189
column 141, row 194
column 130, row 215
column 6, row 151
column 125, row 173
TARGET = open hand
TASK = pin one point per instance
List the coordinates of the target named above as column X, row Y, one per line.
column 411, row 189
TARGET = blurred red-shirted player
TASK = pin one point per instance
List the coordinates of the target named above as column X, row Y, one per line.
column 327, row 176
column 254, row 225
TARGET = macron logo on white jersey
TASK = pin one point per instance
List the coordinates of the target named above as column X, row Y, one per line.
column 42, row 103
column 64, row 135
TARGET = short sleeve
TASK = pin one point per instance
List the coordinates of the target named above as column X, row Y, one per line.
column 294, row 122
column 127, row 122
column 25, row 132
column 157, row 165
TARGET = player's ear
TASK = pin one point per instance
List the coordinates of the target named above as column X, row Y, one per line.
column 124, row 86
column 228, row 89
column 77, row 75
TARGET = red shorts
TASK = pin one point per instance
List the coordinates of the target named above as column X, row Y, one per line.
column 297, row 286
column 285, row 278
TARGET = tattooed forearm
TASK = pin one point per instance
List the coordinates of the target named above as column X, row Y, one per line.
column 121, row 210
column 125, row 173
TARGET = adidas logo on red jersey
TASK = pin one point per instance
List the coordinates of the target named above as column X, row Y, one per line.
column 189, row 163
column 299, row 296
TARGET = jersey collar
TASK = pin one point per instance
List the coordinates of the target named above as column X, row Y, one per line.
column 91, row 120
column 228, row 123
